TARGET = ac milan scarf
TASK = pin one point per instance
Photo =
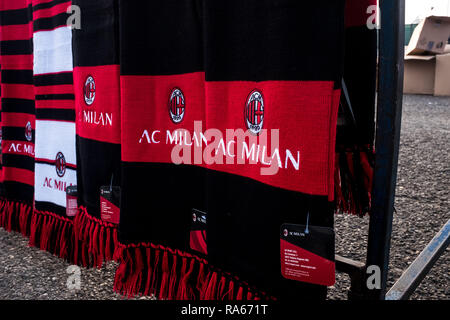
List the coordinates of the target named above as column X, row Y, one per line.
column 18, row 115
column 55, row 162
column 356, row 129
column 190, row 70
column 97, row 99
column 161, row 65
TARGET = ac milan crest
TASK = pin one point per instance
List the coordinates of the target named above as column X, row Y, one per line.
column 254, row 112
column 177, row 105
column 285, row 233
column 60, row 164
column 89, row 91
column 194, row 217
column 28, row 132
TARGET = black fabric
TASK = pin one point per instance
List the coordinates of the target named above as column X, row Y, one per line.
column 267, row 40
column 98, row 165
column 96, row 44
column 360, row 78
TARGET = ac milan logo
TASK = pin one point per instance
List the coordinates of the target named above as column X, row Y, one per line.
column 28, row 131
column 254, row 112
column 176, row 105
column 60, row 164
column 89, row 90
column 194, row 217
column 285, row 232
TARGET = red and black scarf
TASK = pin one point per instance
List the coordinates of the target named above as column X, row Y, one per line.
column 356, row 129
column 188, row 66
column 55, row 161
column 18, row 115
column 97, row 99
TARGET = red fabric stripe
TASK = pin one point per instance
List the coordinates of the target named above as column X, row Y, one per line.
column 13, row 119
column 16, row 32
column 301, row 110
column 57, row 89
column 18, row 91
column 331, row 151
column 18, row 175
column 106, row 103
column 53, row 11
column 18, row 148
column 17, row 62
column 14, row 4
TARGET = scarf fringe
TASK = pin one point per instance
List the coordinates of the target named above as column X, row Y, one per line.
column 15, row 216
column 55, row 234
column 98, row 236
column 353, row 180
column 147, row 269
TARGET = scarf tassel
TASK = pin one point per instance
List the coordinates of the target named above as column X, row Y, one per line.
column 99, row 238
column 53, row 233
column 146, row 269
column 15, row 216
column 353, row 178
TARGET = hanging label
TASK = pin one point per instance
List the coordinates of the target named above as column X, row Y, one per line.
column 71, row 201
column 198, row 232
column 110, row 204
column 307, row 256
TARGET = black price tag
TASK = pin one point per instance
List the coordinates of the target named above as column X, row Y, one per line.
column 198, row 232
column 71, row 201
column 110, row 204
column 307, row 254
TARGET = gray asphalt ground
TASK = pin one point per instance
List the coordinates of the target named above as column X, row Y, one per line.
column 422, row 204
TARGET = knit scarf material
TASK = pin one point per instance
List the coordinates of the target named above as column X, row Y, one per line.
column 240, row 65
column 356, row 129
column 18, row 115
column 55, row 165
column 97, row 100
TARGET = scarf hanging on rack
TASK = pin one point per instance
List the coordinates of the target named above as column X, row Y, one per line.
column 258, row 75
column 273, row 69
column 18, row 115
column 97, row 99
column 162, row 85
column 55, row 161
column 356, row 129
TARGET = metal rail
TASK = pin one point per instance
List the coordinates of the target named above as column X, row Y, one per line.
column 389, row 114
column 416, row 272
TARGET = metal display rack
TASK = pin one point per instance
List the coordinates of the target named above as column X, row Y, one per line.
column 388, row 124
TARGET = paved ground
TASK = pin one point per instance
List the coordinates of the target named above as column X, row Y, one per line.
column 422, row 204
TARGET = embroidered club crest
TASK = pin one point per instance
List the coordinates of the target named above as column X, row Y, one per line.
column 28, row 132
column 254, row 112
column 89, row 91
column 177, row 106
column 60, row 164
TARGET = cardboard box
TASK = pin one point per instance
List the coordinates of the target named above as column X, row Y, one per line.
column 427, row 75
column 442, row 77
column 430, row 36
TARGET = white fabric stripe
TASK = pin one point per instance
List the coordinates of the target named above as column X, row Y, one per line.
column 53, row 51
column 51, row 188
column 53, row 137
